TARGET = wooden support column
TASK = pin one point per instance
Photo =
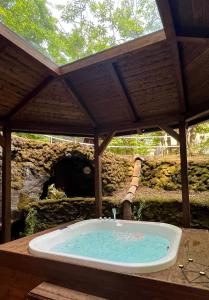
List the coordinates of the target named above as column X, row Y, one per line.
column 184, row 175
column 98, row 177
column 6, row 186
column 99, row 148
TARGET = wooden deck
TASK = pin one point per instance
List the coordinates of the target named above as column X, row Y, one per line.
column 20, row 272
column 48, row 291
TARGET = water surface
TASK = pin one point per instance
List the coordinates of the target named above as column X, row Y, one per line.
column 117, row 246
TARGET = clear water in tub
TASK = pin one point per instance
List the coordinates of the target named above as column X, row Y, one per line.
column 116, row 245
column 112, row 245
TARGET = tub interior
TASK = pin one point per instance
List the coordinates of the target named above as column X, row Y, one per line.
column 110, row 242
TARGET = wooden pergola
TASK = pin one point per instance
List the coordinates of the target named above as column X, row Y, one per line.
column 160, row 80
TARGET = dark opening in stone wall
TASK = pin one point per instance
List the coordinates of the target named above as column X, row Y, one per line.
column 74, row 175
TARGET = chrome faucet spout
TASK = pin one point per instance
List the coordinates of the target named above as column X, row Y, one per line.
column 114, row 213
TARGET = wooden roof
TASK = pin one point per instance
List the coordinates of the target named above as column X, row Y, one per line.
column 158, row 79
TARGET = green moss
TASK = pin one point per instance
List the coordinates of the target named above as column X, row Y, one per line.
column 40, row 158
column 52, row 212
column 166, row 175
column 165, row 207
column 24, row 200
column 31, row 221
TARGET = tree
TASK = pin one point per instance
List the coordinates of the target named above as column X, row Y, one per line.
column 101, row 24
column 33, row 21
column 136, row 145
column 93, row 25
column 201, row 146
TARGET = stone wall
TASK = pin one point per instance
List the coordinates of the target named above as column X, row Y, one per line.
column 41, row 215
column 166, row 175
column 33, row 162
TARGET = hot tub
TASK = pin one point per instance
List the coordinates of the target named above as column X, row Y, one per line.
column 115, row 245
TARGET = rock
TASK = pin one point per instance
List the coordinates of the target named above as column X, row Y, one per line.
column 166, row 175
column 33, row 164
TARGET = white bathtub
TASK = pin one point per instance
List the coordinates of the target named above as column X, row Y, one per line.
column 43, row 245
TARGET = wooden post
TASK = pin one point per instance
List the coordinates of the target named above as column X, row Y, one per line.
column 184, row 175
column 6, row 186
column 98, row 177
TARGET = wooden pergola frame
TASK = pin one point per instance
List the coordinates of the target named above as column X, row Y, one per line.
column 5, row 142
column 103, row 133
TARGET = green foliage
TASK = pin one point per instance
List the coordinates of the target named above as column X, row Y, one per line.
column 137, row 210
column 24, row 200
column 92, row 25
column 97, row 25
column 41, row 157
column 166, row 175
column 34, row 22
column 37, row 137
column 53, row 193
column 30, row 221
column 202, row 146
column 49, row 213
column 135, row 145
column 202, row 128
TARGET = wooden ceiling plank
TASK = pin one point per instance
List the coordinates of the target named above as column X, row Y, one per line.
column 20, row 43
column 197, row 59
column 28, row 97
column 80, row 101
column 51, row 128
column 169, row 27
column 149, row 122
column 119, row 83
column 115, row 52
column 192, row 39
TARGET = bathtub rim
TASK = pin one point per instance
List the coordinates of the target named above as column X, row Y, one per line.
column 147, row 267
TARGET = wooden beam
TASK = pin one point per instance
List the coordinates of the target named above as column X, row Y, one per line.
column 189, row 67
column 49, row 291
column 28, row 97
column 68, row 129
column 78, row 100
column 184, row 175
column 203, row 119
column 51, row 128
column 105, row 142
column 115, row 52
column 192, row 39
column 6, row 186
column 200, row 111
column 20, row 43
column 167, row 19
column 98, row 177
column 119, row 83
column 170, row 131
column 2, row 141
column 150, row 122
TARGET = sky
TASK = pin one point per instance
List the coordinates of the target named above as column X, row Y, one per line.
column 52, row 5
column 56, row 13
